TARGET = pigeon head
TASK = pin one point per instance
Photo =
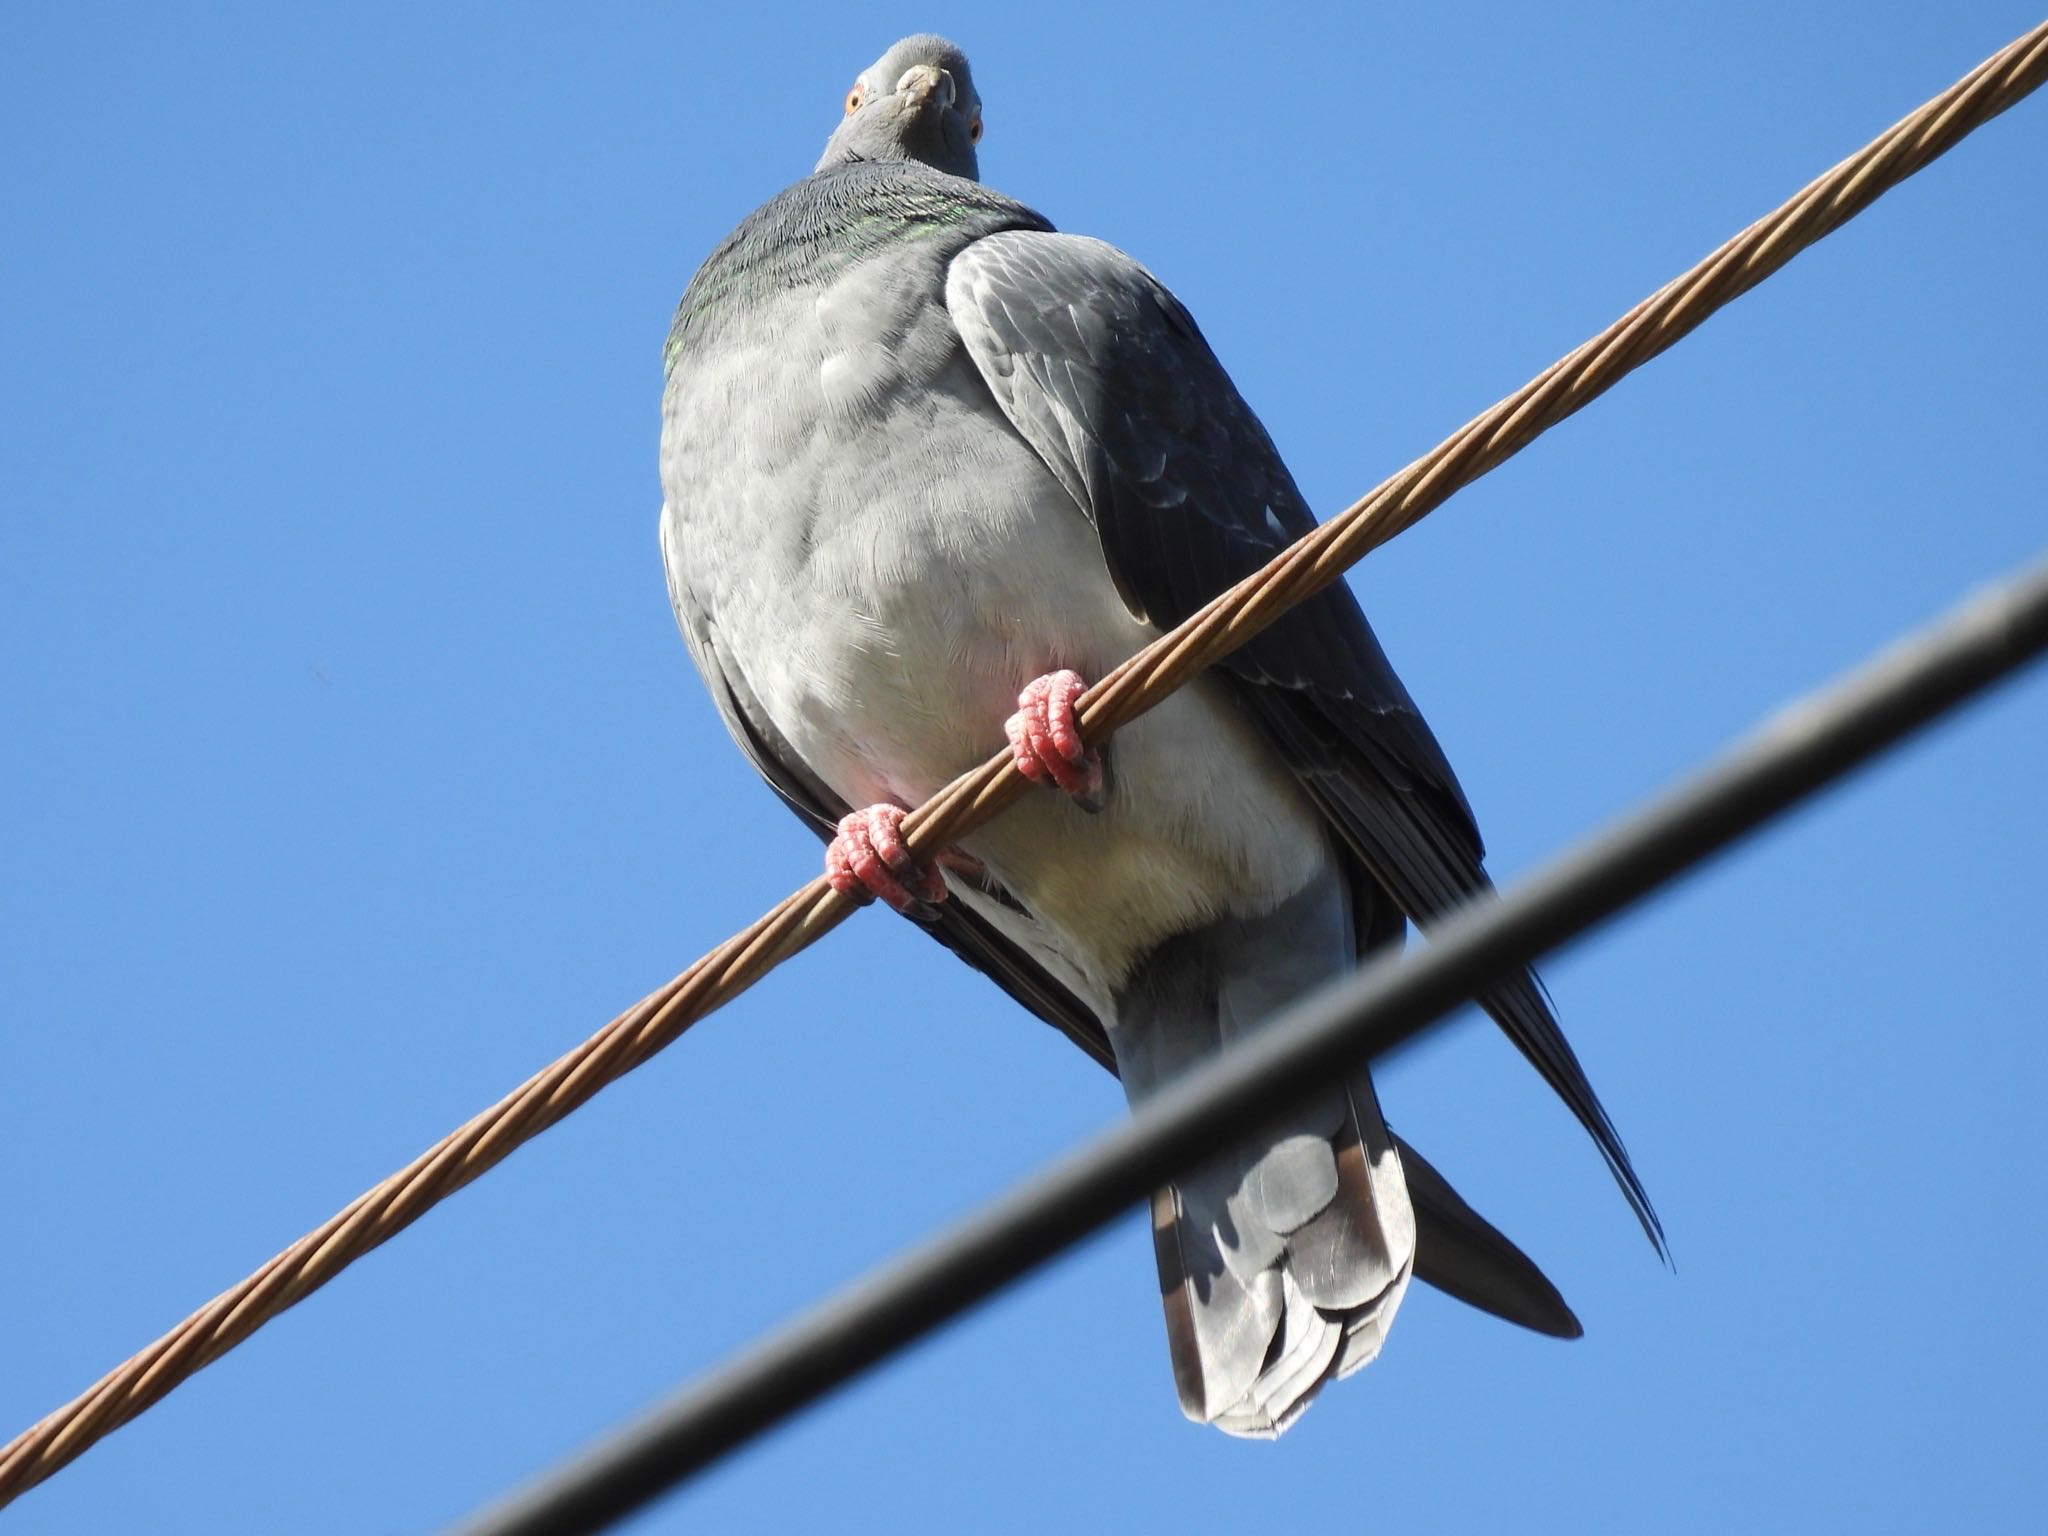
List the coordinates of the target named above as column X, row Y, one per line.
column 916, row 102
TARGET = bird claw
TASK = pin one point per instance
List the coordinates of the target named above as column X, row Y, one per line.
column 1045, row 739
column 869, row 858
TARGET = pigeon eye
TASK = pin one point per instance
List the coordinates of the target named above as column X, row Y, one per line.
column 854, row 98
column 974, row 131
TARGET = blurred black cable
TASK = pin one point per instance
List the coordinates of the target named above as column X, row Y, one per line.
column 1803, row 748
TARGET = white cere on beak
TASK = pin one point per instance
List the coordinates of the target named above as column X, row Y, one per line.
column 922, row 79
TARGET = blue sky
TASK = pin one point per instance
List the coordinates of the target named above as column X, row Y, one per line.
column 352, row 768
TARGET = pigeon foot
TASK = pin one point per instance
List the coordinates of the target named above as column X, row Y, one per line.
column 1045, row 739
column 869, row 858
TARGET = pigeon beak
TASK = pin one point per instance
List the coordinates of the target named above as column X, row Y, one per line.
column 922, row 82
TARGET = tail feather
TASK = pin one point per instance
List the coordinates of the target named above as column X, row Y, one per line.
column 1282, row 1259
column 1362, row 1340
column 1219, row 1327
column 1308, row 1342
column 1251, row 1350
column 1357, row 1245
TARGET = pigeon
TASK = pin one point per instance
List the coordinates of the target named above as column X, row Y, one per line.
column 929, row 468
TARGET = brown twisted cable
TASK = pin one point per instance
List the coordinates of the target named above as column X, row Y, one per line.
column 1138, row 684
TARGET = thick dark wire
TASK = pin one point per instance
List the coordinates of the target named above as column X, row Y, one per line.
column 1816, row 740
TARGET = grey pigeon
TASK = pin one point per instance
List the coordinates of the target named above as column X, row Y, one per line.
column 929, row 467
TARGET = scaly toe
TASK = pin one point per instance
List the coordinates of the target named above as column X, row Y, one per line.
column 869, row 858
column 1045, row 738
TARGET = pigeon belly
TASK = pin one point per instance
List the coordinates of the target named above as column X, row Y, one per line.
column 936, row 568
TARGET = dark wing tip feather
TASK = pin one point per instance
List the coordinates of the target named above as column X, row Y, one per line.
column 1418, row 855
column 1466, row 1257
column 1522, row 1011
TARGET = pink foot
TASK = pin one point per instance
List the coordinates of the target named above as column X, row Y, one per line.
column 869, row 858
column 1045, row 739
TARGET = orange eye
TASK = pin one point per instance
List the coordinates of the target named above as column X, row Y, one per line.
column 974, row 131
column 855, row 97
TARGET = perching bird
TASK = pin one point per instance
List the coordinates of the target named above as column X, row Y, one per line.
column 929, row 467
